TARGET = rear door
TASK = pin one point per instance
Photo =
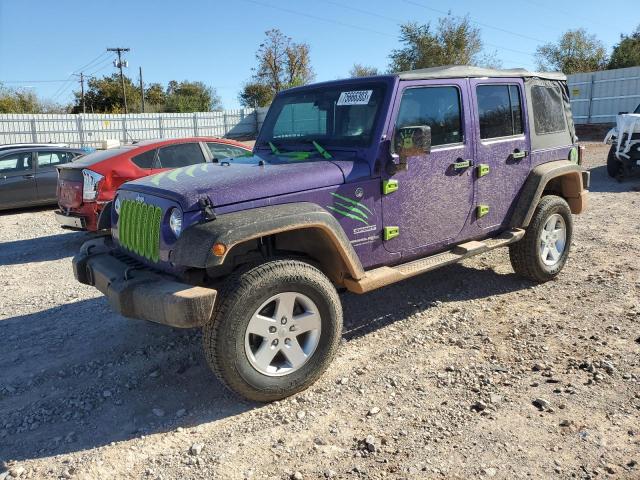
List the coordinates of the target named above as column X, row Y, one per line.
column 180, row 155
column 46, row 173
column 17, row 180
column 502, row 148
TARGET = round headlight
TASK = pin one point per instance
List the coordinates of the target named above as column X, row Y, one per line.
column 175, row 221
column 117, row 204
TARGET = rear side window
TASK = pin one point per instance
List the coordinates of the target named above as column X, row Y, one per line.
column 144, row 160
column 221, row 150
column 17, row 162
column 548, row 110
column 176, row 156
column 500, row 110
column 437, row 107
column 50, row 159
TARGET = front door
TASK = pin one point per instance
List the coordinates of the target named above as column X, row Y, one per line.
column 434, row 195
column 17, row 180
column 502, row 149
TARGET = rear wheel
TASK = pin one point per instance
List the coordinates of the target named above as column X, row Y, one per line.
column 614, row 167
column 275, row 331
column 544, row 249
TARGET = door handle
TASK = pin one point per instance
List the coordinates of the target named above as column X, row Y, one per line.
column 461, row 164
column 29, row 176
column 518, row 155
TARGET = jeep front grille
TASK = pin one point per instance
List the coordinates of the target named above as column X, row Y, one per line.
column 139, row 228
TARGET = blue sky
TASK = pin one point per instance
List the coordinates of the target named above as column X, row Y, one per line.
column 43, row 41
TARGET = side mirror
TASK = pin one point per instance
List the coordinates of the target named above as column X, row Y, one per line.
column 411, row 141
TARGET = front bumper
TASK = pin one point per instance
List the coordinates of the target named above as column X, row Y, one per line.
column 136, row 292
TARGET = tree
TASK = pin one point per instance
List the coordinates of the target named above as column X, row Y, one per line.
column 575, row 51
column 154, row 94
column 20, row 100
column 282, row 64
column 627, row 52
column 188, row 96
column 454, row 42
column 104, row 95
column 255, row 94
column 359, row 70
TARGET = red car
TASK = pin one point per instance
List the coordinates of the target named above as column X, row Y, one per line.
column 87, row 185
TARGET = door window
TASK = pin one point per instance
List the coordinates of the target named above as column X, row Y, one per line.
column 500, row 110
column 221, row 150
column 50, row 159
column 17, row 162
column 176, row 156
column 145, row 160
column 437, row 107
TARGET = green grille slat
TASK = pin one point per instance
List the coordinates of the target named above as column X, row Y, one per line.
column 139, row 229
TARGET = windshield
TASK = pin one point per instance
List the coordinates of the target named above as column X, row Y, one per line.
column 637, row 110
column 335, row 116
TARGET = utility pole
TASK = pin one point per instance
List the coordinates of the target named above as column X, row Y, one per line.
column 141, row 91
column 119, row 64
column 84, row 108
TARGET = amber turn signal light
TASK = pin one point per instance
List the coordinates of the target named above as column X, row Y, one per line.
column 219, row 249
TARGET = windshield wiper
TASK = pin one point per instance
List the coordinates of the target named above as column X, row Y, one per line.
column 326, row 155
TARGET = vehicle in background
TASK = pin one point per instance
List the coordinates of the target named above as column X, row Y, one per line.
column 624, row 155
column 354, row 184
column 13, row 146
column 28, row 175
column 87, row 186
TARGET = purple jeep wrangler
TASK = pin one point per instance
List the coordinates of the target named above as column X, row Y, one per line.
column 353, row 184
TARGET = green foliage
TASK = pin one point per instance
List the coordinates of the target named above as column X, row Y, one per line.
column 191, row 97
column 359, row 70
column 104, row 95
column 281, row 64
column 15, row 100
column 627, row 52
column 255, row 94
column 576, row 51
column 455, row 41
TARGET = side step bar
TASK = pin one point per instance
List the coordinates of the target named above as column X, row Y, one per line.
column 380, row 277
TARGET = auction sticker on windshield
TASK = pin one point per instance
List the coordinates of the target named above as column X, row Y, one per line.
column 355, row 97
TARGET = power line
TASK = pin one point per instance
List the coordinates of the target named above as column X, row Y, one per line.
column 321, row 19
column 398, row 21
column 92, row 63
column 482, row 24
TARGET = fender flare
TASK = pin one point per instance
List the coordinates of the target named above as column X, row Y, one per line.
column 573, row 187
column 193, row 248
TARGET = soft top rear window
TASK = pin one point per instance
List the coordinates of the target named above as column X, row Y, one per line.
column 548, row 110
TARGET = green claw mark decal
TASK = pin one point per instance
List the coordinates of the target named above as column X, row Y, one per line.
column 156, row 178
column 350, row 208
column 189, row 171
column 173, row 176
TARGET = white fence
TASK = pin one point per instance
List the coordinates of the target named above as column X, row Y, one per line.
column 598, row 97
column 92, row 129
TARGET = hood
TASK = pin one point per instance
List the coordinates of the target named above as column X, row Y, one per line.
column 232, row 182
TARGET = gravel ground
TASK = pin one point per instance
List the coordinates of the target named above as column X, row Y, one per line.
column 467, row 372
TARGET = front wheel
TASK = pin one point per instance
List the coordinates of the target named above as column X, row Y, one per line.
column 275, row 331
column 544, row 249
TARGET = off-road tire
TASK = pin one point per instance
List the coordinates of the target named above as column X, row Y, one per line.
column 525, row 255
column 614, row 167
column 239, row 298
